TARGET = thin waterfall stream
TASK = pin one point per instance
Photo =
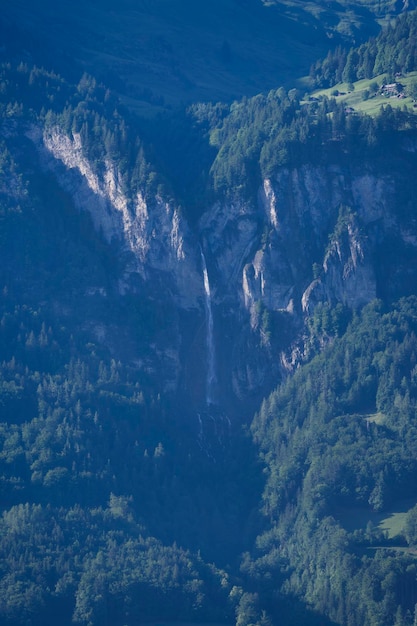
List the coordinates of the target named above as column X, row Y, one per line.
column 211, row 353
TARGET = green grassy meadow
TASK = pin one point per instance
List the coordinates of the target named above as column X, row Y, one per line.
column 373, row 103
column 390, row 522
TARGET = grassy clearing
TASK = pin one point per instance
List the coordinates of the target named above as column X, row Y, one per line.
column 392, row 522
column 361, row 98
column 357, row 518
column 375, row 418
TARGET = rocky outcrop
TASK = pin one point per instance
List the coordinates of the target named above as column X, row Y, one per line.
column 314, row 234
column 347, row 276
column 260, row 252
column 230, row 232
column 307, row 255
column 153, row 231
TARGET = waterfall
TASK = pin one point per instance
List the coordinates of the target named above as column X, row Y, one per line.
column 211, row 354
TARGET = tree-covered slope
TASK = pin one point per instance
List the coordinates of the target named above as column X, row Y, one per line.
column 392, row 52
column 156, row 278
column 338, row 442
column 112, row 504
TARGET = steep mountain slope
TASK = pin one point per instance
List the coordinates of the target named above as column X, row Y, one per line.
column 252, row 245
column 338, row 443
column 352, row 19
column 145, row 313
column 161, row 53
column 165, row 53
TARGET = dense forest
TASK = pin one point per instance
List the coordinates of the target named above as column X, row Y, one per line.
column 392, row 52
column 121, row 504
column 338, row 444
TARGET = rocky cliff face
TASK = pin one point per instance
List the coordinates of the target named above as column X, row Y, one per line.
column 152, row 231
column 325, row 227
column 314, row 234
